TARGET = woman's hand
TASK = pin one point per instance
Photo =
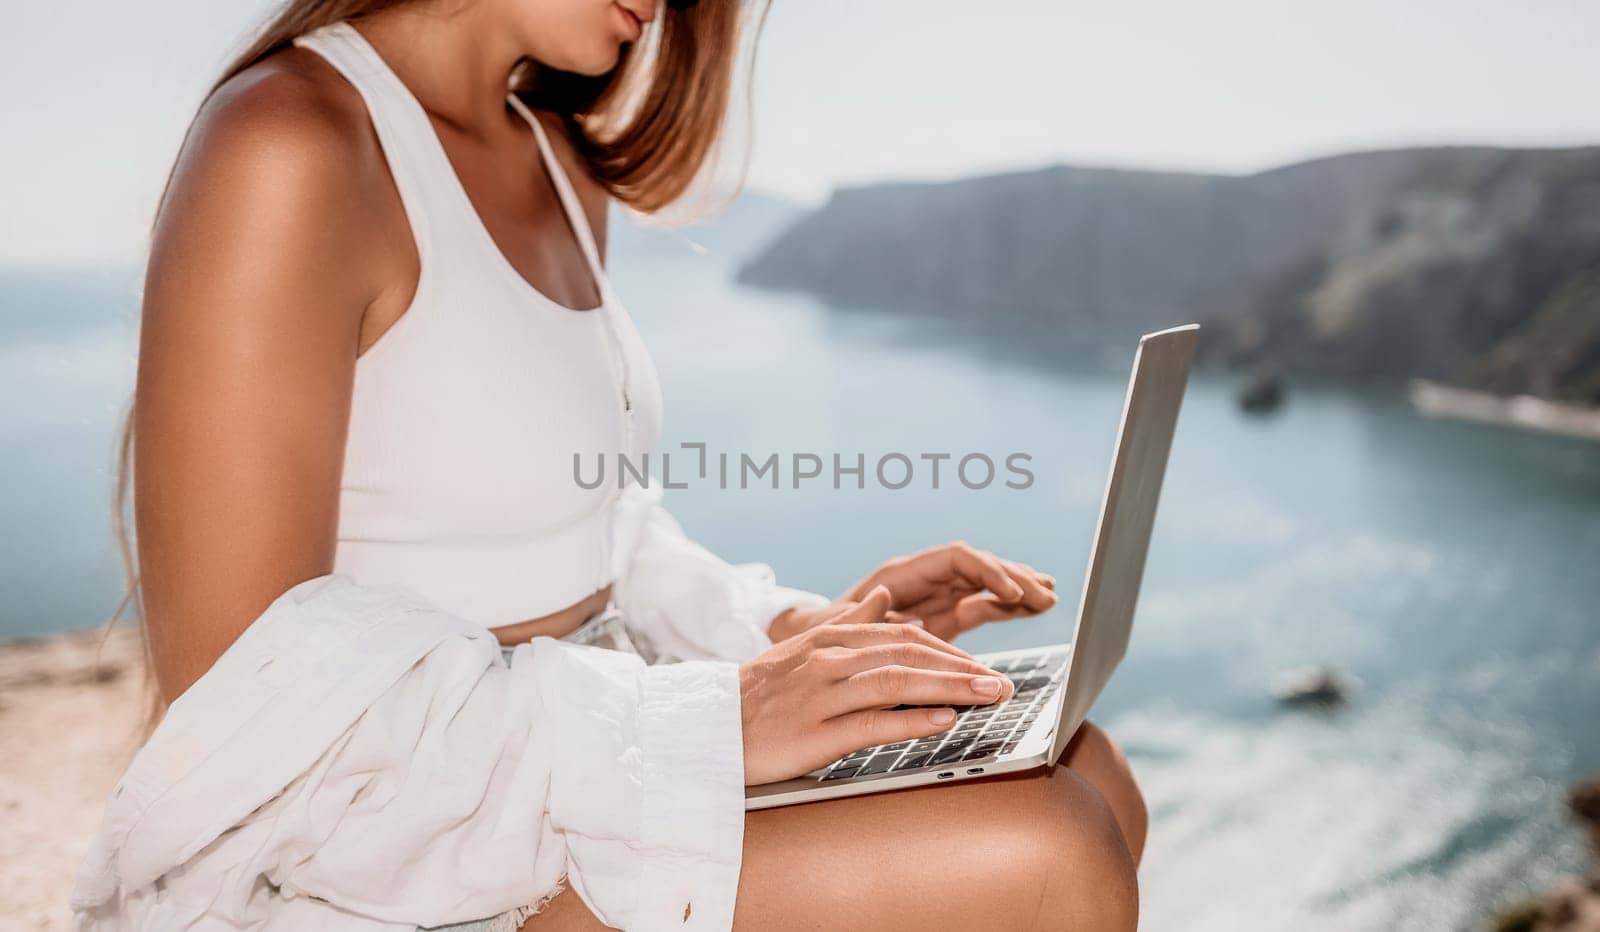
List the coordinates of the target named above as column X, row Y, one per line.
column 834, row 689
column 949, row 589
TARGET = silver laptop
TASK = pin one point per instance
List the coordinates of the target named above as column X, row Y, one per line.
column 1055, row 685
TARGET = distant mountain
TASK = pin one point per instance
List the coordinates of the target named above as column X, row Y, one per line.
column 1478, row 266
column 736, row 232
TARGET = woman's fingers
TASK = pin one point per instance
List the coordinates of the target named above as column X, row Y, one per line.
column 870, row 609
column 839, row 611
column 958, row 568
column 1010, row 583
column 916, row 577
column 845, row 662
column 1037, row 595
column 886, row 687
column 866, row 635
column 841, row 616
column 902, row 618
column 956, row 611
column 979, row 568
column 1023, row 569
column 981, row 608
column 857, row 730
column 1037, row 601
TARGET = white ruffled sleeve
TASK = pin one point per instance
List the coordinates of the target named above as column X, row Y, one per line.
column 684, row 600
column 360, row 759
column 485, row 784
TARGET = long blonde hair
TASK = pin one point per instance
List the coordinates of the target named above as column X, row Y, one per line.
column 646, row 131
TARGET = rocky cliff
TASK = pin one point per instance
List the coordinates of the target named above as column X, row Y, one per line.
column 1477, row 266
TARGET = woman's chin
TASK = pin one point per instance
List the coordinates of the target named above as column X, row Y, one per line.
column 601, row 62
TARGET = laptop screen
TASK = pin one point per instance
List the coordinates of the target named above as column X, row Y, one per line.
column 1127, row 514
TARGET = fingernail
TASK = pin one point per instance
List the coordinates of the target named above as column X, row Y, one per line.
column 942, row 716
column 986, row 685
column 916, row 623
column 1015, row 590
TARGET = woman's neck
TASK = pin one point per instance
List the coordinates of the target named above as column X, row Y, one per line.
column 453, row 60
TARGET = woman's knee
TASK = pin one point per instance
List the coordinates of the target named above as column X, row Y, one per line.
column 1096, row 758
column 1073, row 847
column 1041, row 850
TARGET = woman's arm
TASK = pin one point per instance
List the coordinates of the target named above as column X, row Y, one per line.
column 260, row 273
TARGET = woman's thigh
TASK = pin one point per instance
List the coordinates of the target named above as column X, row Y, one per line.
column 1043, row 850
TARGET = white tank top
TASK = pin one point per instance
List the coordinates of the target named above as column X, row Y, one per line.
column 459, row 467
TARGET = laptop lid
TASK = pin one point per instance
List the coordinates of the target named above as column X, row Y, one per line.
column 1127, row 514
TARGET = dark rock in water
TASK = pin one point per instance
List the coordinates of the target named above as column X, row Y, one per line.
column 1524, row 917
column 1584, row 801
column 1573, row 903
column 1313, row 686
column 1263, row 393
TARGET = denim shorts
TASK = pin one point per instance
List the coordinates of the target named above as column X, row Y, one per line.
column 604, row 629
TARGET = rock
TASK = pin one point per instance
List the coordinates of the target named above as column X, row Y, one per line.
column 1313, row 686
column 1572, row 905
column 1584, row 802
column 1524, row 917
column 1262, row 393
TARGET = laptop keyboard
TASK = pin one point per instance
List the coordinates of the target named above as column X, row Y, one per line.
column 979, row 732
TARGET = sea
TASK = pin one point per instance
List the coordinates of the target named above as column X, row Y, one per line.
column 1451, row 571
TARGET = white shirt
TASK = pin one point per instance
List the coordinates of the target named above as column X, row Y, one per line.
column 360, row 759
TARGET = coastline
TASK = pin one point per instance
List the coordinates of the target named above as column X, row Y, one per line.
column 1524, row 411
column 70, row 710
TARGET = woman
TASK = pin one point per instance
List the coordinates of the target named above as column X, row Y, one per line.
column 312, row 488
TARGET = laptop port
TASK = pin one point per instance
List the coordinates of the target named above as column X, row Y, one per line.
column 974, row 770
column 947, row 774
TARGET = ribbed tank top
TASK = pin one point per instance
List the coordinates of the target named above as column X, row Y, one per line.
column 467, row 412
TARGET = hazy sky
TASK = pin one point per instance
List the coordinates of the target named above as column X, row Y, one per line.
column 94, row 95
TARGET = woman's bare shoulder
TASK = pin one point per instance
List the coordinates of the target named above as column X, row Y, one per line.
column 288, row 132
column 291, row 106
column 278, row 202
